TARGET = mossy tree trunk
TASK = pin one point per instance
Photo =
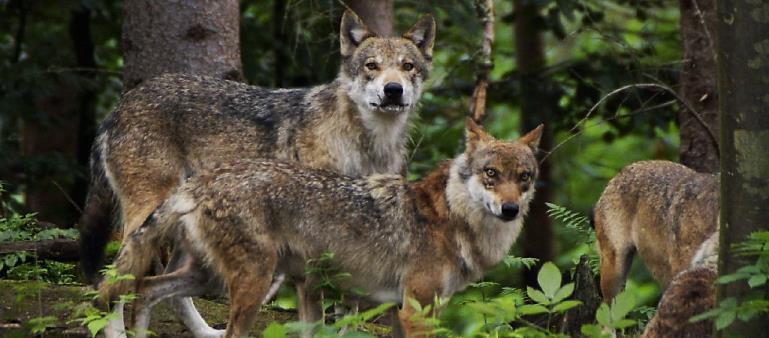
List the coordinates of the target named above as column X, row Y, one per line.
column 199, row 37
column 743, row 72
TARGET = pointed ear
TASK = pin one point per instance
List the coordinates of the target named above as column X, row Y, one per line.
column 531, row 139
column 423, row 35
column 352, row 32
column 474, row 134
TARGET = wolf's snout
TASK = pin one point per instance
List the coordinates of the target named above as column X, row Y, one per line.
column 509, row 211
column 393, row 90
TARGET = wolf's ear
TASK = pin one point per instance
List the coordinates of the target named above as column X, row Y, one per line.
column 352, row 32
column 531, row 138
column 423, row 35
column 474, row 134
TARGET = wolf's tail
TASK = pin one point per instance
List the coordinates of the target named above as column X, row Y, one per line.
column 96, row 223
column 138, row 251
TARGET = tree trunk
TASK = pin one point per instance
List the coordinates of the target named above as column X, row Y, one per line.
column 376, row 14
column 199, row 37
column 64, row 134
column 698, row 149
column 743, row 62
column 537, row 239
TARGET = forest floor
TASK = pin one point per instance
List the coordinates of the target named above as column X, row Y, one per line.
column 22, row 301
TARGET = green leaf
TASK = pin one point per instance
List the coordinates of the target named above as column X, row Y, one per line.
column 726, row 279
column 621, row 305
column 274, row 330
column 563, row 293
column 532, row 309
column 725, row 319
column 549, row 279
column 624, row 323
column 602, row 315
column 537, row 296
column 563, row 306
column 757, row 280
column 97, row 325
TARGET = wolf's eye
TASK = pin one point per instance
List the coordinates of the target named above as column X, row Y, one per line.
column 408, row 66
column 490, row 172
column 525, row 176
column 371, row 66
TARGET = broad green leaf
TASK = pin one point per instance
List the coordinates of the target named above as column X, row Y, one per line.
column 565, row 305
column 757, row 280
column 532, row 309
column 275, row 330
column 731, row 278
column 621, row 305
column 563, row 293
column 724, row 319
column 96, row 325
column 537, row 296
column 549, row 279
column 705, row 315
column 624, row 323
column 602, row 315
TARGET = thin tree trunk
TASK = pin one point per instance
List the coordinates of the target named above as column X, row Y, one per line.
column 199, row 37
column 376, row 14
column 743, row 62
column 537, row 239
column 698, row 149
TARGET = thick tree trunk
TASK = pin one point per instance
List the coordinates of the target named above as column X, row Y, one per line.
column 698, row 149
column 199, row 37
column 743, row 62
column 376, row 14
column 536, row 108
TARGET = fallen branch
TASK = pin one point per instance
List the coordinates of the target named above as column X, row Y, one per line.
column 61, row 250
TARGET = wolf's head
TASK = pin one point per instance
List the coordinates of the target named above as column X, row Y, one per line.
column 498, row 175
column 384, row 75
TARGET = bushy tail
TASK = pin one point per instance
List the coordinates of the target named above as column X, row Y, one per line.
column 136, row 256
column 96, row 223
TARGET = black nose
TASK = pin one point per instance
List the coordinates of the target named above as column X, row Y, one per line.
column 393, row 90
column 509, row 210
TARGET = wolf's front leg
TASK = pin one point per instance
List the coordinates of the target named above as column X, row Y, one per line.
column 423, row 288
column 310, row 309
column 116, row 326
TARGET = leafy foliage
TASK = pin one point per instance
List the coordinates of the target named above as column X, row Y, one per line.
column 755, row 246
column 612, row 317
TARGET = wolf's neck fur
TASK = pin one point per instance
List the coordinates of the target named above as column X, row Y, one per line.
column 381, row 145
column 481, row 238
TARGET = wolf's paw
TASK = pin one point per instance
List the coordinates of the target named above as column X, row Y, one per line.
column 209, row 332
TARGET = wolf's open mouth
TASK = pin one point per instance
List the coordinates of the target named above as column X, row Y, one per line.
column 389, row 106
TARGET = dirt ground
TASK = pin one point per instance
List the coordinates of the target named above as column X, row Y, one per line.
column 22, row 301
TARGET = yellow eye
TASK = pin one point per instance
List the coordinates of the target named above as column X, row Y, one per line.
column 371, row 66
column 408, row 66
column 490, row 172
column 525, row 176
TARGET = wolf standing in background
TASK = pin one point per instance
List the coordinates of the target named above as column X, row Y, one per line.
column 397, row 240
column 173, row 126
column 663, row 210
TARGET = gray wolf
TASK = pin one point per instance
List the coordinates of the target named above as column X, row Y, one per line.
column 171, row 127
column 662, row 210
column 397, row 239
column 691, row 292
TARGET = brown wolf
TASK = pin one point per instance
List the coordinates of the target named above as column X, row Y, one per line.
column 662, row 210
column 397, row 239
column 170, row 127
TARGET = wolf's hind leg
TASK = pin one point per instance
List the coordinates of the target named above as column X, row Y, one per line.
column 187, row 281
column 248, row 284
